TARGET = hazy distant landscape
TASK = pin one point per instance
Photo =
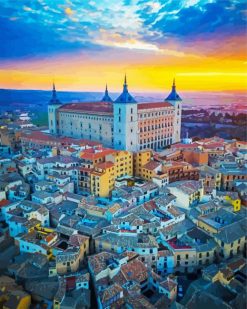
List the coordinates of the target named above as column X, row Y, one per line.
column 33, row 99
column 35, row 103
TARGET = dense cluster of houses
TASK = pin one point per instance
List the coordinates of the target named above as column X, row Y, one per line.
column 92, row 226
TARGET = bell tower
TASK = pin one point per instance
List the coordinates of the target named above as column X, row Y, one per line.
column 125, row 121
column 176, row 101
column 53, row 105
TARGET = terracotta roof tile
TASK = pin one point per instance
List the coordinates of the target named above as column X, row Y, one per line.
column 105, row 165
column 4, row 203
column 42, row 138
column 92, row 154
column 153, row 105
column 135, row 270
column 152, row 165
column 89, row 107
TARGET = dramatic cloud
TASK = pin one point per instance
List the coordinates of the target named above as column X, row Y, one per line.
column 160, row 37
column 43, row 26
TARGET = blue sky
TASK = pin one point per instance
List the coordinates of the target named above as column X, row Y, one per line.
column 135, row 29
column 44, row 26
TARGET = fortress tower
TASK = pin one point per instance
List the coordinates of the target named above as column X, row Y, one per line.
column 125, row 121
column 174, row 99
column 53, row 105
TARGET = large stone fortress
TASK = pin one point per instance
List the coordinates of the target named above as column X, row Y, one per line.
column 122, row 124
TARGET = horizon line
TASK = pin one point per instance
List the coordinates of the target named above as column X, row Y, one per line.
column 133, row 91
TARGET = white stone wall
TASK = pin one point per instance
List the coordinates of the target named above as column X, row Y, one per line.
column 53, row 118
column 126, row 126
column 87, row 126
column 122, row 129
column 176, row 138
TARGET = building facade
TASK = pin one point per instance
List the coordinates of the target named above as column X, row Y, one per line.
column 123, row 124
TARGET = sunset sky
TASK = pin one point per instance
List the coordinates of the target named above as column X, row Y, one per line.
column 84, row 44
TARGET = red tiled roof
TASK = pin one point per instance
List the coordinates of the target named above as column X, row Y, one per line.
column 152, row 165
column 135, row 270
column 89, row 107
column 211, row 139
column 91, row 154
column 40, row 137
column 176, row 245
column 242, row 142
column 213, row 145
column 71, row 150
column 85, row 169
column 153, row 105
column 4, row 203
column 105, row 165
column 11, row 169
column 150, row 205
column 107, row 107
column 180, row 145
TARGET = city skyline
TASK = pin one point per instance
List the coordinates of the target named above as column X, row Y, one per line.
column 84, row 46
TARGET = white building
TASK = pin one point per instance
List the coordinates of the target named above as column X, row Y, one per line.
column 188, row 192
column 123, row 124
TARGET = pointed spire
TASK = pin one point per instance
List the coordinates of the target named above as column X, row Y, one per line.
column 54, row 92
column 173, row 96
column 125, row 97
column 106, row 97
column 125, row 85
column 54, row 99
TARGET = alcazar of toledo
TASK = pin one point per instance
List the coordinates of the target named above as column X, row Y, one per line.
column 123, row 124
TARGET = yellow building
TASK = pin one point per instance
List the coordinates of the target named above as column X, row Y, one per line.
column 92, row 156
column 71, row 259
column 12, row 295
column 148, row 169
column 207, row 226
column 230, row 198
column 232, row 238
column 93, row 210
column 102, row 179
column 95, row 164
column 234, row 201
column 123, row 162
column 213, row 273
column 17, row 299
column 140, row 159
column 151, row 170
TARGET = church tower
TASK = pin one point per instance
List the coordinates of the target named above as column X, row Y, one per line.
column 106, row 97
column 125, row 121
column 53, row 105
column 176, row 101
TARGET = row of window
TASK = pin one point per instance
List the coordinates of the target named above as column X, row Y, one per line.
column 156, row 138
column 155, row 127
column 146, row 115
column 79, row 116
column 154, row 145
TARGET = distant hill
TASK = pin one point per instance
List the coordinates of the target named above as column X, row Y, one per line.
column 30, row 100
